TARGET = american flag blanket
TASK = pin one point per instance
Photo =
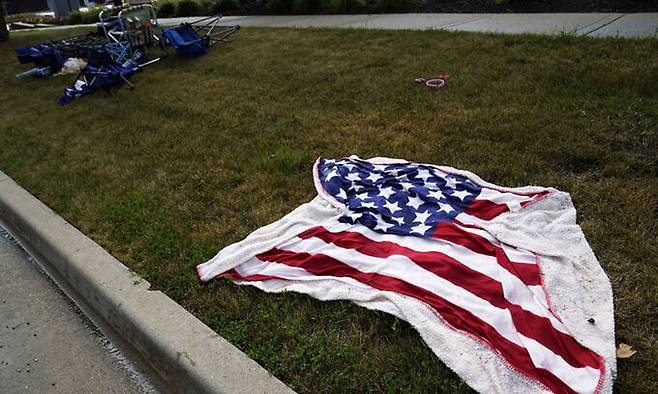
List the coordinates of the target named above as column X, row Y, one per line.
column 499, row 282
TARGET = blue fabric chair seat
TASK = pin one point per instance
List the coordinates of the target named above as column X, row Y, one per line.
column 186, row 40
column 99, row 77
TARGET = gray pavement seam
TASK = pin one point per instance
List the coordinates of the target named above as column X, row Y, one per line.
column 362, row 20
column 604, row 25
column 473, row 19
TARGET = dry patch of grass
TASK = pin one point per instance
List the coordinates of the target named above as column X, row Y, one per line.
column 204, row 151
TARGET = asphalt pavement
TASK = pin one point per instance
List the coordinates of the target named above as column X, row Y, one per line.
column 46, row 344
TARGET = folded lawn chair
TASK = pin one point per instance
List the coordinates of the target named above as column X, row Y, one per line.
column 100, row 74
column 49, row 57
column 47, row 60
column 103, row 72
column 194, row 39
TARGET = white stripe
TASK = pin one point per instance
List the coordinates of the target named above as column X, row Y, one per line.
column 581, row 380
column 404, row 269
column 540, row 295
column 480, row 232
column 513, row 201
column 258, row 267
column 469, row 219
column 514, row 290
column 518, row 255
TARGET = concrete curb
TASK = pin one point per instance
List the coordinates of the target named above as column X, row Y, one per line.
column 186, row 354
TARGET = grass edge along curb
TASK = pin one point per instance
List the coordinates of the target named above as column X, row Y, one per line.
column 187, row 355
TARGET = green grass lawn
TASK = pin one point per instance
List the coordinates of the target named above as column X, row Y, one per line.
column 205, row 151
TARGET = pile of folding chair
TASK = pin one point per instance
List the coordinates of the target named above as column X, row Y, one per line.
column 121, row 47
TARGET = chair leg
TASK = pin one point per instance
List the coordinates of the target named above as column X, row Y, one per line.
column 127, row 82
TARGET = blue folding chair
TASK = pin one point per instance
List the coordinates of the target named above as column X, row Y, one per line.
column 186, row 40
column 194, row 39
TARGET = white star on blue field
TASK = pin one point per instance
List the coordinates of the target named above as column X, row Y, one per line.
column 404, row 199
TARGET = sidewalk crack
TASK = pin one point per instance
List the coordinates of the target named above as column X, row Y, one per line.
column 469, row 20
column 604, row 25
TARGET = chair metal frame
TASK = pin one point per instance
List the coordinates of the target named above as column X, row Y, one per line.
column 210, row 25
column 125, row 33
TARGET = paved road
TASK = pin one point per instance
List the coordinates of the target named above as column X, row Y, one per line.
column 593, row 24
column 46, row 344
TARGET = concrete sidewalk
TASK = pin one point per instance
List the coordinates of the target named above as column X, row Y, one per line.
column 594, row 24
column 46, row 344
column 179, row 351
column 640, row 25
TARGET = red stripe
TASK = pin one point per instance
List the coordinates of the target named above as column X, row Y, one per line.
column 527, row 323
column 529, row 274
column 535, row 198
column 485, row 209
column 234, row 275
column 458, row 318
